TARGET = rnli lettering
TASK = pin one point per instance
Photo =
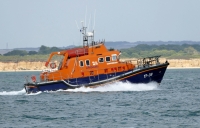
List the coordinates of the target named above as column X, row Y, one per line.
column 88, row 67
column 148, row 75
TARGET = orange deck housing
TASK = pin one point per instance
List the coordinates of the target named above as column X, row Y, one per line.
column 88, row 61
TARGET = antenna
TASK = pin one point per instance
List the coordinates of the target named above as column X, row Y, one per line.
column 89, row 22
column 85, row 15
column 82, row 23
column 94, row 19
column 77, row 25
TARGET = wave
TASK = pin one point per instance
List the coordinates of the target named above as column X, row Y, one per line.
column 37, row 93
column 118, row 86
column 22, row 92
column 114, row 87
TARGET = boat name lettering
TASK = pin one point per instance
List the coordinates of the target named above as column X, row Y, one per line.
column 92, row 67
column 148, row 75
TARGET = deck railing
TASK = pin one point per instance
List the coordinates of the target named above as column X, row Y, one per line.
column 88, row 72
column 144, row 62
column 148, row 61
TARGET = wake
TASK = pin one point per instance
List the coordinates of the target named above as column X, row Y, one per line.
column 22, row 92
column 14, row 93
column 114, row 87
column 118, row 86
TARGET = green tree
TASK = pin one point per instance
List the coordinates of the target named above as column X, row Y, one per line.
column 16, row 52
column 54, row 49
column 191, row 51
column 32, row 52
column 44, row 50
column 47, row 50
column 125, row 55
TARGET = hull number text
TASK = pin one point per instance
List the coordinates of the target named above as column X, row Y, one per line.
column 148, row 75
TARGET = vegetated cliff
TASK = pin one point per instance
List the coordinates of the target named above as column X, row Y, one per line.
column 27, row 66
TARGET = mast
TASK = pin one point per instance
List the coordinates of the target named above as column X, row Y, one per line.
column 88, row 37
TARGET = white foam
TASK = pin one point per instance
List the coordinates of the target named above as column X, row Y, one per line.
column 22, row 92
column 37, row 93
column 118, row 86
column 114, row 87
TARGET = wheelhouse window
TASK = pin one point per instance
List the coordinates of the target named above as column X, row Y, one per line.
column 87, row 62
column 81, row 64
column 101, row 60
column 114, row 57
column 107, row 58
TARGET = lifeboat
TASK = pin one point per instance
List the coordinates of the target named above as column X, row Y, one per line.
column 94, row 65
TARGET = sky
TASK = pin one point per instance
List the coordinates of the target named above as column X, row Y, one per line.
column 32, row 23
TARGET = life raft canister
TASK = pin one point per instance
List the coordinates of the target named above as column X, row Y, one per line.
column 77, row 52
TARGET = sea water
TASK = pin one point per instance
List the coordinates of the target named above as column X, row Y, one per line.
column 173, row 103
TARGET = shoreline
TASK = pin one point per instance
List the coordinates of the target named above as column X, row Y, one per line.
column 41, row 70
column 38, row 66
column 22, row 71
column 183, row 67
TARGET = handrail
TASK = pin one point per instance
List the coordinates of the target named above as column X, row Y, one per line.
column 148, row 61
column 55, row 76
column 96, row 43
column 52, row 54
column 113, row 69
column 143, row 62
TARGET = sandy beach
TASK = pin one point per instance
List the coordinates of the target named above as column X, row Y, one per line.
column 39, row 66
